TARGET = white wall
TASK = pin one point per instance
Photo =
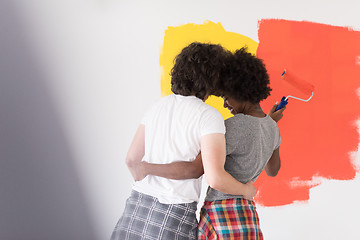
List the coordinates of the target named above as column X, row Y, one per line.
column 100, row 59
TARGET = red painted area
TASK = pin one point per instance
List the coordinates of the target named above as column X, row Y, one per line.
column 318, row 136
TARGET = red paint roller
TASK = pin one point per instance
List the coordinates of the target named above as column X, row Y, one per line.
column 303, row 86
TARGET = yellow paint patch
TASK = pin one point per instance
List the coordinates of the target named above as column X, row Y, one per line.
column 176, row 38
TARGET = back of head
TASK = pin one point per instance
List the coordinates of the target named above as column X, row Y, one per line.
column 245, row 78
column 197, row 68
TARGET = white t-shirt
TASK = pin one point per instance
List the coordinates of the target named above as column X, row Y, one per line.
column 173, row 128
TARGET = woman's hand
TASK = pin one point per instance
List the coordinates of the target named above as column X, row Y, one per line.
column 138, row 170
column 276, row 115
column 250, row 191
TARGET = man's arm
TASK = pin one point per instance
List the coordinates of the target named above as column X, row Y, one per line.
column 213, row 155
column 273, row 166
column 136, row 152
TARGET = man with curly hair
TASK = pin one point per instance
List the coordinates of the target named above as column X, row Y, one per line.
column 174, row 129
column 252, row 144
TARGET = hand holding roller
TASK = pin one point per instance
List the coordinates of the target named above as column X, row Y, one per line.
column 301, row 86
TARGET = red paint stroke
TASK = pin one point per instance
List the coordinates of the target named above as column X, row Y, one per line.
column 318, row 136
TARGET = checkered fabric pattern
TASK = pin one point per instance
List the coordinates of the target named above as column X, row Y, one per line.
column 145, row 218
column 234, row 218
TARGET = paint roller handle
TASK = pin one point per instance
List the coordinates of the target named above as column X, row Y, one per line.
column 276, row 115
column 282, row 103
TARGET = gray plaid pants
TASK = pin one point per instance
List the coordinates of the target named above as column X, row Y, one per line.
column 145, row 218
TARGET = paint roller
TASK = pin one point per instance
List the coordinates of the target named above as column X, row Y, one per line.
column 303, row 86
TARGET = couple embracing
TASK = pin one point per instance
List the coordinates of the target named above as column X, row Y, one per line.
column 180, row 138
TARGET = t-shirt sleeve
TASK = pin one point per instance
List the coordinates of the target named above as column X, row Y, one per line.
column 211, row 122
column 145, row 117
column 148, row 113
column 278, row 139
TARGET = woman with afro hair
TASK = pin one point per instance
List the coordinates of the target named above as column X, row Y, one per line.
column 252, row 144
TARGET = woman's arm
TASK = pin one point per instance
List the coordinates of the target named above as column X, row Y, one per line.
column 273, row 166
column 276, row 116
column 213, row 156
column 177, row 170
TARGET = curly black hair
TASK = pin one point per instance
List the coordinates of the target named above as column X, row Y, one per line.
column 245, row 78
column 197, row 68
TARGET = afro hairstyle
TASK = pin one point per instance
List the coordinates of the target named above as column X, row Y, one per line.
column 197, row 68
column 244, row 78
